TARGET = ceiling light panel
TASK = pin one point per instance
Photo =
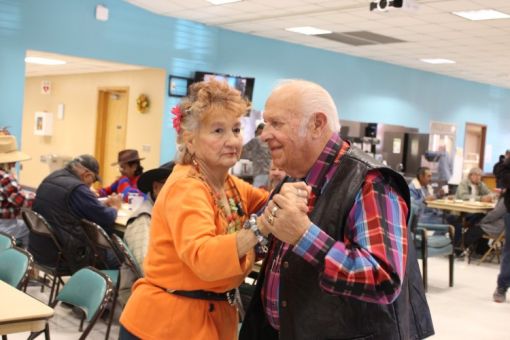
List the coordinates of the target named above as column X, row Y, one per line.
column 308, row 30
column 482, row 14
column 44, row 61
column 222, row 2
column 438, row 61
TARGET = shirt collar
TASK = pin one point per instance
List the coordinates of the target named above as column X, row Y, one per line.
column 320, row 172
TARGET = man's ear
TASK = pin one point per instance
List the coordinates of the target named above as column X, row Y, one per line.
column 319, row 123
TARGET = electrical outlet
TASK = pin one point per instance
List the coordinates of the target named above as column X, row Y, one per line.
column 146, row 148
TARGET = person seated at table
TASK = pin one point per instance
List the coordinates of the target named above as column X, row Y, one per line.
column 12, row 197
column 64, row 198
column 472, row 188
column 199, row 251
column 130, row 170
column 491, row 225
column 138, row 225
column 421, row 192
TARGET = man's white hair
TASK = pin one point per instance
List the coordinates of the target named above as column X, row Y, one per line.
column 311, row 98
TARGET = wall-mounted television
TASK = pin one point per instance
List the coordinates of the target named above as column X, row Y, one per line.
column 243, row 84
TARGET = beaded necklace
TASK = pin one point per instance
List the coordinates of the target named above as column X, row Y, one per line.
column 233, row 212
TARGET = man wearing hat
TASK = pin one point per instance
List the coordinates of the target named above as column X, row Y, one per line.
column 130, row 170
column 12, row 198
column 63, row 199
column 138, row 225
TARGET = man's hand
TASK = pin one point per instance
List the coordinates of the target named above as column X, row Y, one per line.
column 286, row 214
column 114, row 201
column 486, row 198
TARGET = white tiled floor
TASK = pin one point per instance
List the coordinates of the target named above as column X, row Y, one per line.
column 465, row 311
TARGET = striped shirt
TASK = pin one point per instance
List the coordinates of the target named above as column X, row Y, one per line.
column 123, row 186
column 369, row 263
column 12, row 197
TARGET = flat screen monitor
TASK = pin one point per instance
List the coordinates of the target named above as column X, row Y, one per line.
column 243, row 84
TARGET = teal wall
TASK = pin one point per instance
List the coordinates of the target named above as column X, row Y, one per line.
column 364, row 90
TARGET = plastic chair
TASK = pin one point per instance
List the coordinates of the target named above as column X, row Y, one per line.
column 438, row 244
column 6, row 241
column 38, row 225
column 101, row 244
column 15, row 265
column 88, row 289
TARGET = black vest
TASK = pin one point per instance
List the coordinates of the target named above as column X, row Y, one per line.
column 52, row 202
column 309, row 312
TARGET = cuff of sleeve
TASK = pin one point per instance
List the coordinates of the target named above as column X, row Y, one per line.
column 314, row 245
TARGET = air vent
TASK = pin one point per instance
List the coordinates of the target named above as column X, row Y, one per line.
column 360, row 38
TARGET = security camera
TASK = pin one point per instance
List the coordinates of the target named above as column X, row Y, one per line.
column 383, row 5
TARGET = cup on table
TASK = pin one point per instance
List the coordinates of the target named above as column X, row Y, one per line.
column 135, row 200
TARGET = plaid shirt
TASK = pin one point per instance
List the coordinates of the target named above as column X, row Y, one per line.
column 12, row 198
column 369, row 264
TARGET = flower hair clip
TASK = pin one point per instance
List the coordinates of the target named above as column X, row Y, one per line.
column 176, row 111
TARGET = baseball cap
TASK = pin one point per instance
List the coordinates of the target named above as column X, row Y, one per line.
column 90, row 163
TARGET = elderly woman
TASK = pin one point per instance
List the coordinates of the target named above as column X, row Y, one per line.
column 199, row 251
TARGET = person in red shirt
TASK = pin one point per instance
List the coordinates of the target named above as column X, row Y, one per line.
column 130, row 170
column 12, row 197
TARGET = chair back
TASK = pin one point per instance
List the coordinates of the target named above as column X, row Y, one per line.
column 15, row 265
column 88, row 289
column 6, row 241
column 38, row 225
column 100, row 242
column 129, row 258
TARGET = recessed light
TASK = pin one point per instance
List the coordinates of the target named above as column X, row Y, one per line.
column 222, row 2
column 438, row 61
column 44, row 61
column 482, row 14
column 308, row 30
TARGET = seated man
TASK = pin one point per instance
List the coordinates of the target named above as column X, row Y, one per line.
column 491, row 225
column 12, row 198
column 472, row 188
column 421, row 192
column 138, row 225
column 257, row 151
column 63, row 199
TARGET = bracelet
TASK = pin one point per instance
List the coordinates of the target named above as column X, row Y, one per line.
column 251, row 224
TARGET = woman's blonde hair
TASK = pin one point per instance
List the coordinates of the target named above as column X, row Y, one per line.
column 205, row 99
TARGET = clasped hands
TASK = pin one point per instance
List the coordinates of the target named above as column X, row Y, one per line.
column 286, row 214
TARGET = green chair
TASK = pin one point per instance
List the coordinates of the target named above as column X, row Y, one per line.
column 15, row 265
column 440, row 243
column 102, row 244
column 89, row 290
column 6, row 241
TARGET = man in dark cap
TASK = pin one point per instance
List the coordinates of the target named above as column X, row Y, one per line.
column 63, row 199
column 138, row 225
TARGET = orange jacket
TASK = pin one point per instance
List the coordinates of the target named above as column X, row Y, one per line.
column 189, row 250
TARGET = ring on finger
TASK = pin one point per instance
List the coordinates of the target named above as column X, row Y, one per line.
column 270, row 219
column 274, row 210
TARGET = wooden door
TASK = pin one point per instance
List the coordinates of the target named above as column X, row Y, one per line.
column 474, row 146
column 111, row 131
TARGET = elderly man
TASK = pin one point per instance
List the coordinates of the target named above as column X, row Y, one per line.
column 347, row 269
column 472, row 188
column 421, row 192
column 63, row 199
column 138, row 226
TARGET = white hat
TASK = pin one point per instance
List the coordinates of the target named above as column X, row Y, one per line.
column 9, row 150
